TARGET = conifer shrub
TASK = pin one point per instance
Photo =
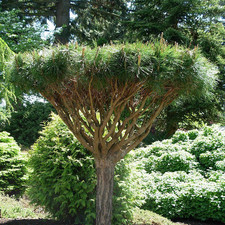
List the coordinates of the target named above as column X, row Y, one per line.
column 184, row 177
column 63, row 178
column 12, row 166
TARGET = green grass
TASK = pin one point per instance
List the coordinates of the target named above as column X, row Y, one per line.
column 150, row 218
column 19, row 208
column 22, row 209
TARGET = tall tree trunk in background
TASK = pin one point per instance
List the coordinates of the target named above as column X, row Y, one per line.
column 172, row 120
column 62, row 21
column 105, row 179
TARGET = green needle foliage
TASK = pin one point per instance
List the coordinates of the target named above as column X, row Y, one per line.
column 12, row 166
column 158, row 64
column 19, row 32
column 109, row 97
column 27, row 121
column 6, row 89
column 190, row 23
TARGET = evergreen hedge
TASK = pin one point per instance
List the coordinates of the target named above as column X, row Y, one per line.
column 12, row 166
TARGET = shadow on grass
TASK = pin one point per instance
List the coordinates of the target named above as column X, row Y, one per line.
column 31, row 222
column 197, row 222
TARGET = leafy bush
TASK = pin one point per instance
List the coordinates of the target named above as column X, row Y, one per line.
column 64, row 181
column 12, row 166
column 185, row 176
column 175, row 161
column 182, row 195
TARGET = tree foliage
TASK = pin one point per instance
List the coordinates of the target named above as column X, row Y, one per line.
column 180, row 21
column 100, row 22
column 93, row 19
column 109, row 97
column 189, row 23
column 19, row 33
column 26, row 122
column 6, row 89
column 159, row 65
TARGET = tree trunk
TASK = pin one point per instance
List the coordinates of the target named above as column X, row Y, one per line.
column 105, row 177
column 62, row 21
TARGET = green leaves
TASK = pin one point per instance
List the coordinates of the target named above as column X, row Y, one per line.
column 27, row 121
column 17, row 31
column 12, row 166
column 6, row 89
column 186, row 172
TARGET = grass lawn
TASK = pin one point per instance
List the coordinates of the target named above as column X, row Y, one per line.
column 21, row 212
column 20, row 209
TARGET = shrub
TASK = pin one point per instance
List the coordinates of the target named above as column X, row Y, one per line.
column 185, row 175
column 175, row 161
column 12, row 166
column 63, row 178
column 165, row 157
column 182, row 195
column 220, row 165
column 179, row 136
column 212, row 159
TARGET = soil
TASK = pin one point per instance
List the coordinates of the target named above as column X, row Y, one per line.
column 53, row 222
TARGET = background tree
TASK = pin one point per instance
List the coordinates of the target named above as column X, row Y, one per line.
column 190, row 23
column 19, row 33
column 26, row 123
column 180, row 21
column 100, row 22
column 109, row 97
column 85, row 11
column 6, row 89
column 44, row 10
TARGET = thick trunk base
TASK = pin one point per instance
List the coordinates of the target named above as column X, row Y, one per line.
column 105, row 178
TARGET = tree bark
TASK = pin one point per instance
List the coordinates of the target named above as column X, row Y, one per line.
column 105, row 179
column 62, row 21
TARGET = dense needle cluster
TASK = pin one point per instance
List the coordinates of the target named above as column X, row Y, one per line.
column 110, row 96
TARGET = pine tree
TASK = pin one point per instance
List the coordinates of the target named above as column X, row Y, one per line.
column 191, row 23
column 86, row 12
column 109, row 97
column 6, row 89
